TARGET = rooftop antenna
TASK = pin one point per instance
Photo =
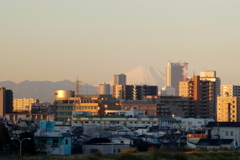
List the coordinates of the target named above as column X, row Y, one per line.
column 87, row 88
column 77, row 91
column 185, row 68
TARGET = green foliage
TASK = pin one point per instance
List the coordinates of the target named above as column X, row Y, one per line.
column 97, row 154
column 160, row 154
column 180, row 156
column 130, row 157
column 28, row 146
column 156, row 155
column 5, row 140
column 131, row 150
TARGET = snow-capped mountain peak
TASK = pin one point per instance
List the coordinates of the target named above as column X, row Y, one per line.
column 145, row 75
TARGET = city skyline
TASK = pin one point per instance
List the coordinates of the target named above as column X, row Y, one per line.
column 94, row 40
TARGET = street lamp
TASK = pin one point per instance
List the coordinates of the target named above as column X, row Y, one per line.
column 20, row 141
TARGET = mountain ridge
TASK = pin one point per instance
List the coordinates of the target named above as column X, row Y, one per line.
column 44, row 90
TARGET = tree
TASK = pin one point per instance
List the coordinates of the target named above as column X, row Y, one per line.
column 28, row 146
column 5, row 140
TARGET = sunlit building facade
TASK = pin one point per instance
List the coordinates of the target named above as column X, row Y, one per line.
column 24, row 104
column 228, row 109
column 231, row 90
column 204, row 95
column 174, row 74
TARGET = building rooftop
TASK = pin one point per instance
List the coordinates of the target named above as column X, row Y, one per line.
column 213, row 142
column 223, row 124
column 83, row 116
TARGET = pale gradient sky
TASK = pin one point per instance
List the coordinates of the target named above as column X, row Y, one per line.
column 95, row 39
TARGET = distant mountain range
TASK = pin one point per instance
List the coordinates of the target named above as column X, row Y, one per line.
column 44, row 90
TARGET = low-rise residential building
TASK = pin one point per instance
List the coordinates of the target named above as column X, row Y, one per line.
column 224, row 130
column 149, row 107
column 199, row 124
column 114, row 121
column 52, row 141
column 211, row 144
column 104, row 145
column 122, row 121
column 35, row 117
column 66, row 102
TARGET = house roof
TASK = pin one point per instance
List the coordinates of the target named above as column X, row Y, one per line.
column 130, row 137
column 153, row 128
column 146, row 136
column 167, row 119
column 223, row 124
column 66, row 134
column 214, row 142
column 98, row 140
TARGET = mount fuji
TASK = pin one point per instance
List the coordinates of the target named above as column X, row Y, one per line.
column 145, row 75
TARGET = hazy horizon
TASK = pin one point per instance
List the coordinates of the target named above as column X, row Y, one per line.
column 93, row 40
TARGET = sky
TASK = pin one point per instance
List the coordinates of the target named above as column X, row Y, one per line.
column 95, row 39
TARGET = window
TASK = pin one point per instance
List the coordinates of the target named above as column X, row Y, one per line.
column 231, row 133
column 55, row 143
column 42, row 141
column 151, row 108
column 226, row 133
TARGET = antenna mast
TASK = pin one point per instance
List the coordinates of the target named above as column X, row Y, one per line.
column 77, row 91
column 185, row 68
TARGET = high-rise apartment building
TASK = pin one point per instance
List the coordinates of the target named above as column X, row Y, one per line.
column 104, row 88
column 170, row 106
column 167, row 91
column 231, row 90
column 23, row 104
column 174, row 74
column 6, row 97
column 211, row 76
column 134, row 92
column 2, row 100
column 9, row 101
column 228, row 108
column 203, row 93
column 119, row 79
